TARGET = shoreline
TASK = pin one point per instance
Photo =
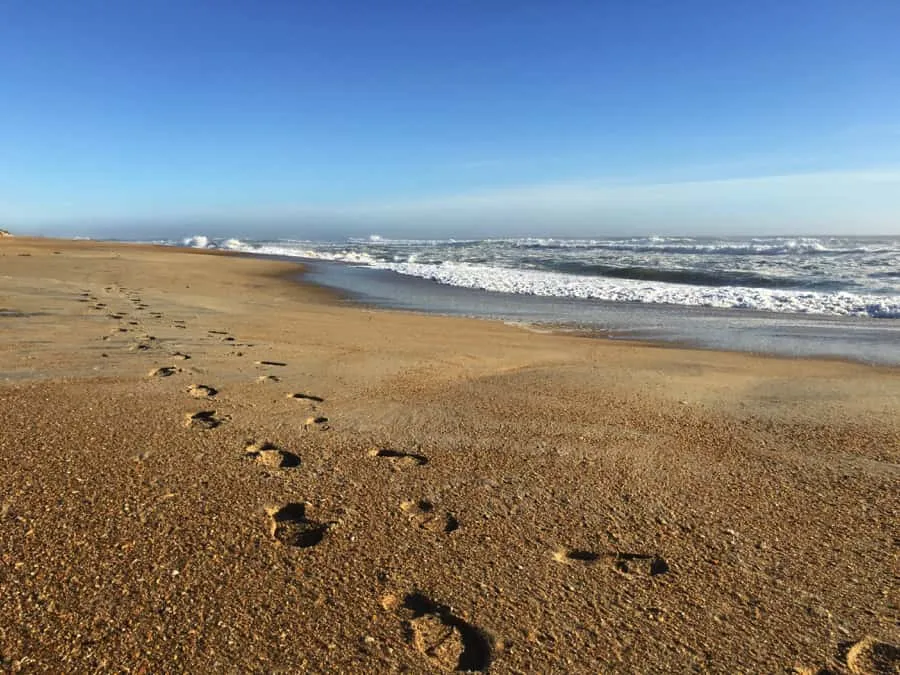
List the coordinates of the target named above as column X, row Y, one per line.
column 883, row 356
column 208, row 465
column 339, row 296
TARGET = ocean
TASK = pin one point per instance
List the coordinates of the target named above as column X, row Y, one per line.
column 843, row 292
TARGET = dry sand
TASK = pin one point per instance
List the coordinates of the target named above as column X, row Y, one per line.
column 208, row 467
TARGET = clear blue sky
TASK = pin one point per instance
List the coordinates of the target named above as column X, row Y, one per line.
column 449, row 117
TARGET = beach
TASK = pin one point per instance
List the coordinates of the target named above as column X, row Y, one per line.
column 210, row 466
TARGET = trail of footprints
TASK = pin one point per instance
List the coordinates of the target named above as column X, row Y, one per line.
column 447, row 641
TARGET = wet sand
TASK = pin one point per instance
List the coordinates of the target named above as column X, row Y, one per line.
column 209, row 467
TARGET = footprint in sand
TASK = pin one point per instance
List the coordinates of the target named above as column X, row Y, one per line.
column 271, row 363
column 181, row 356
column 398, row 457
column 290, row 526
column 164, row 371
column 447, row 641
column 205, row 419
column 313, row 422
column 202, row 391
column 269, row 454
column 627, row 563
column 307, row 397
column 871, row 656
column 424, row 514
column 268, row 378
column 145, row 343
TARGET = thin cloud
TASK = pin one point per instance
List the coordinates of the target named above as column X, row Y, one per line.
column 822, row 203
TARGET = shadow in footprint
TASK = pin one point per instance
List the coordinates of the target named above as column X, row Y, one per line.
column 638, row 563
column 271, row 363
column 582, row 556
column 445, row 638
column 307, row 397
column 164, row 371
column 291, row 527
column 424, row 514
column 202, row 391
column 269, row 454
column 313, row 421
column 400, row 457
column 205, row 419
column 870, row 656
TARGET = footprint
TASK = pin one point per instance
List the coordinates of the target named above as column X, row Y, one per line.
column 205, row 419
column 445, row 639
column 870, row 656
column 181, row 356
column 628, row 563
column 312, row 421
column 268, row 378
column 202, row 391
column 269, row 454
column 399, row 458
column 424, row 514
column 307, row 397
column 638, row 563
column 291, row 527
column 271, row 363
column 164, row 371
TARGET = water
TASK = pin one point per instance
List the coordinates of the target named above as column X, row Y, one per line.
column 837, row 297
column 829, row 276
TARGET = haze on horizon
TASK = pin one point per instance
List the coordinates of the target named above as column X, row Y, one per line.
column 145, row 120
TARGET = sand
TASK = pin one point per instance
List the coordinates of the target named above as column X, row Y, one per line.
column 210, row 467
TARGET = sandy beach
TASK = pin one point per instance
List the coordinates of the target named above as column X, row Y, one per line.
column 211, row 467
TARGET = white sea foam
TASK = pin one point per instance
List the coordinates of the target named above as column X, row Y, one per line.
column 197, row 241
column 535, row 282
column 293, row 250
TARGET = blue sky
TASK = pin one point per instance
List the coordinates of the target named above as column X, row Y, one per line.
column 449, row 118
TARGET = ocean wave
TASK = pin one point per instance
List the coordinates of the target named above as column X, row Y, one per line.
column 829, row 286
column 685, row 245
column 287, row 250
column 198, row 241
column 534, row 282
column 675, row 275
